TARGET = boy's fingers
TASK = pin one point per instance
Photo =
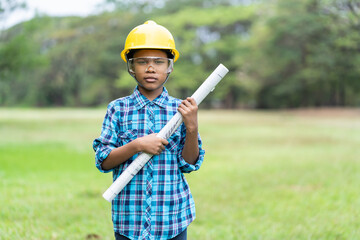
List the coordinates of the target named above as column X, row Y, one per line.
column 165, row 142
column 181, row 108
column 187, row 102
column 184, row 104
column 191, row 100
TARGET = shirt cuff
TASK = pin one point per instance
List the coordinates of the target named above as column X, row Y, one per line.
column 186, row 167
column 100, row 156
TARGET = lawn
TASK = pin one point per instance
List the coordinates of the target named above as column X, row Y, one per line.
column 266, row 175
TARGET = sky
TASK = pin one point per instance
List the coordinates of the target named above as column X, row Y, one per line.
column 53, row 8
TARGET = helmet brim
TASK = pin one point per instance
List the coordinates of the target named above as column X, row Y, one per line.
column 126, row 51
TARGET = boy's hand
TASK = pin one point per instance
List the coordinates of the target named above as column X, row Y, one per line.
column 188, row 109
column 151, row 144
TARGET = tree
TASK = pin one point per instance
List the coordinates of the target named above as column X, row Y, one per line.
column 211, row 36
column 280, row 53
column 7, row 7
column 301, row 59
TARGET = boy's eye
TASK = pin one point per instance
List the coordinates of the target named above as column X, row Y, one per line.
column 141, row 62
column 159, row 61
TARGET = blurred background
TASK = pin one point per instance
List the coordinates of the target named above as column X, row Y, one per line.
column 281, row 131
column 281, row 53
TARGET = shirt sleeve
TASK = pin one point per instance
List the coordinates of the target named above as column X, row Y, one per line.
column 108, row 139
column 184, row 166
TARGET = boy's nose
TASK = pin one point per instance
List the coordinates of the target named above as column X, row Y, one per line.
column 150, row 69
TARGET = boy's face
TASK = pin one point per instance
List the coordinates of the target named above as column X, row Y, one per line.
column 150, row 71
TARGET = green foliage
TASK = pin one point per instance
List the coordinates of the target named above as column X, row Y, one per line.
column 304, row 64
column 211, row 36
column 280, row 53
column 20, row 57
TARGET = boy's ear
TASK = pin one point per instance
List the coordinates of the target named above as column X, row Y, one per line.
column 132, row 74
column 170, row 70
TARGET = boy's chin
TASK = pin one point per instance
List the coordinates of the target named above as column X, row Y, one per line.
column 150, row 88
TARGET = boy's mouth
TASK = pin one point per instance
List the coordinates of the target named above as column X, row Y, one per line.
column 150, row 79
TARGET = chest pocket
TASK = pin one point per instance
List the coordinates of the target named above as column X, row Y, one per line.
column 127, row 136
column 174, row 141
column 128, row 131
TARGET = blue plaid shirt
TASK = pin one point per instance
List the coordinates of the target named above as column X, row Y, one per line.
column 168, row 201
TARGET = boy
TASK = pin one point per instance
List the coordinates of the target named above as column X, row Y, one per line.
column 157, row 203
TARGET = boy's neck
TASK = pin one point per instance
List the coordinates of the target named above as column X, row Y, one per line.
column 150, row 94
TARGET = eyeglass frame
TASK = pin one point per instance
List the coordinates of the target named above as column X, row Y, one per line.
column 131, row 64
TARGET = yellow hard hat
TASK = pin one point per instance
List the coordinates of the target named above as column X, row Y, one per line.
column 149, row 36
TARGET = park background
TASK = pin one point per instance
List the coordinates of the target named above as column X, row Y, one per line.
column 281, row 131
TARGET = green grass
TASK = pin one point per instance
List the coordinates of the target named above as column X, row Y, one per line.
column 266, row 175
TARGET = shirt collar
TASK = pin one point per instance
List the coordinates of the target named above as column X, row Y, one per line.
column 140, row 100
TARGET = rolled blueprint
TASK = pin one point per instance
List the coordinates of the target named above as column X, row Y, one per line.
column 125, row 177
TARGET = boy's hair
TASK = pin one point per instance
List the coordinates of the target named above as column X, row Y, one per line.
column 133, row 51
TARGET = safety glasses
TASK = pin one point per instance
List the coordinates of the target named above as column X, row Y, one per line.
column 159, row 64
